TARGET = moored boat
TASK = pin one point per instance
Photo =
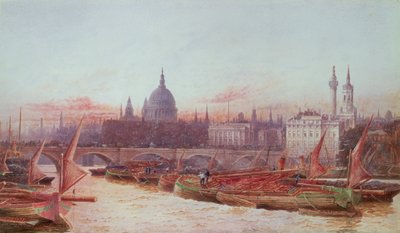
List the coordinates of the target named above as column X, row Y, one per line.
column 101, row 171
column 121, row 173
column 26, row 210
column 357, row 176
column 166, row 182
column 292, row 198
column 188, row 187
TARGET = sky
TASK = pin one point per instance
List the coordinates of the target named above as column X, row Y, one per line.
column 90, row 56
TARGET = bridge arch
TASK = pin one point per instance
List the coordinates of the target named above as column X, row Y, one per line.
column 104, row 157
column 246, row 161
column 200, row 161
column 55, row 159
column 149, row 156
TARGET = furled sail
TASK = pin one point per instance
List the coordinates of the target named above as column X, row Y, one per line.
column 3, row 165
column 180, row 162
column 357, row 173
column 212, row 161
column 70, row 172
column 257, row 158
column 316, row 169
column 35, row 174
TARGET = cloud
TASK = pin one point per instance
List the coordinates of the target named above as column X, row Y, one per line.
column 72, row 108
column 230, row 94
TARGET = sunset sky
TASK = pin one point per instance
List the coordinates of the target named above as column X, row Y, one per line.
column 89, row 56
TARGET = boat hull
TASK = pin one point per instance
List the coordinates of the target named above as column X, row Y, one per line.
column 98, row 171
column 188, row 187
column 119, row 175
column 167, row 182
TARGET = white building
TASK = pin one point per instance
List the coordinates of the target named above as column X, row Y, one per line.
column 229, row 134
column 304, row 131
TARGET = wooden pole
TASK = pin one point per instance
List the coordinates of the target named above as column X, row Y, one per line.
column 348, row 168
column 19, row 127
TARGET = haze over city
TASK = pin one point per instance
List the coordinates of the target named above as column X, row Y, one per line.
column 90, row 56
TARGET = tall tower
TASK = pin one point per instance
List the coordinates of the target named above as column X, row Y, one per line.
column 254, row 116
column 333, row 83
column 120, row 112
column 195, row 115
column 348, row 112
column 347, row 106
column 128, row 110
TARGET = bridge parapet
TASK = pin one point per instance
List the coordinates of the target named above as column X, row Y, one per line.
column 119, row 155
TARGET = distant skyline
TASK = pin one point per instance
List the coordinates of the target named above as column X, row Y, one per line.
column 90, row 56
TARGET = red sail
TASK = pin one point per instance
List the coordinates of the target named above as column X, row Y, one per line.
column 316, row 169
column 35, row 174
column 70, row 172
column 358, row 174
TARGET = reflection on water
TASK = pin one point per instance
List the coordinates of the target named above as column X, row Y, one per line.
column 134, row 208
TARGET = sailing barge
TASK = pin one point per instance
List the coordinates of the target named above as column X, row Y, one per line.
column 24, row 209
column 357, row 175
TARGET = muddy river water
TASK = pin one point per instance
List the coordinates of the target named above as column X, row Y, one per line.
column 135, row 208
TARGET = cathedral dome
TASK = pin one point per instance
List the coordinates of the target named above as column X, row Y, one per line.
column 161, row 104
column 162, row 98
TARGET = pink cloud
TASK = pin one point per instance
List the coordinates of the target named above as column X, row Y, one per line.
column 229, row 94
column 73, row 108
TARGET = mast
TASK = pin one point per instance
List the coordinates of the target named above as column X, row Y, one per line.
column 19, row 127
column 9, row 131
column 60, row 183
column 210, row 164
column 348, row 168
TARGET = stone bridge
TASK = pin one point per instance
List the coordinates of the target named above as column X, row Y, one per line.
column 226, row 159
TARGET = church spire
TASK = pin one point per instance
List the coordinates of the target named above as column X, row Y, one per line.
column 195, row 115
column 348, row 74
column 206, row 118
column 61, row 121
column 271, row 121
column 162, row 80
column 129, row 110
column 120, row 112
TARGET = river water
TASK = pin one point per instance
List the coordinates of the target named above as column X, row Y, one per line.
column 135, row 208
